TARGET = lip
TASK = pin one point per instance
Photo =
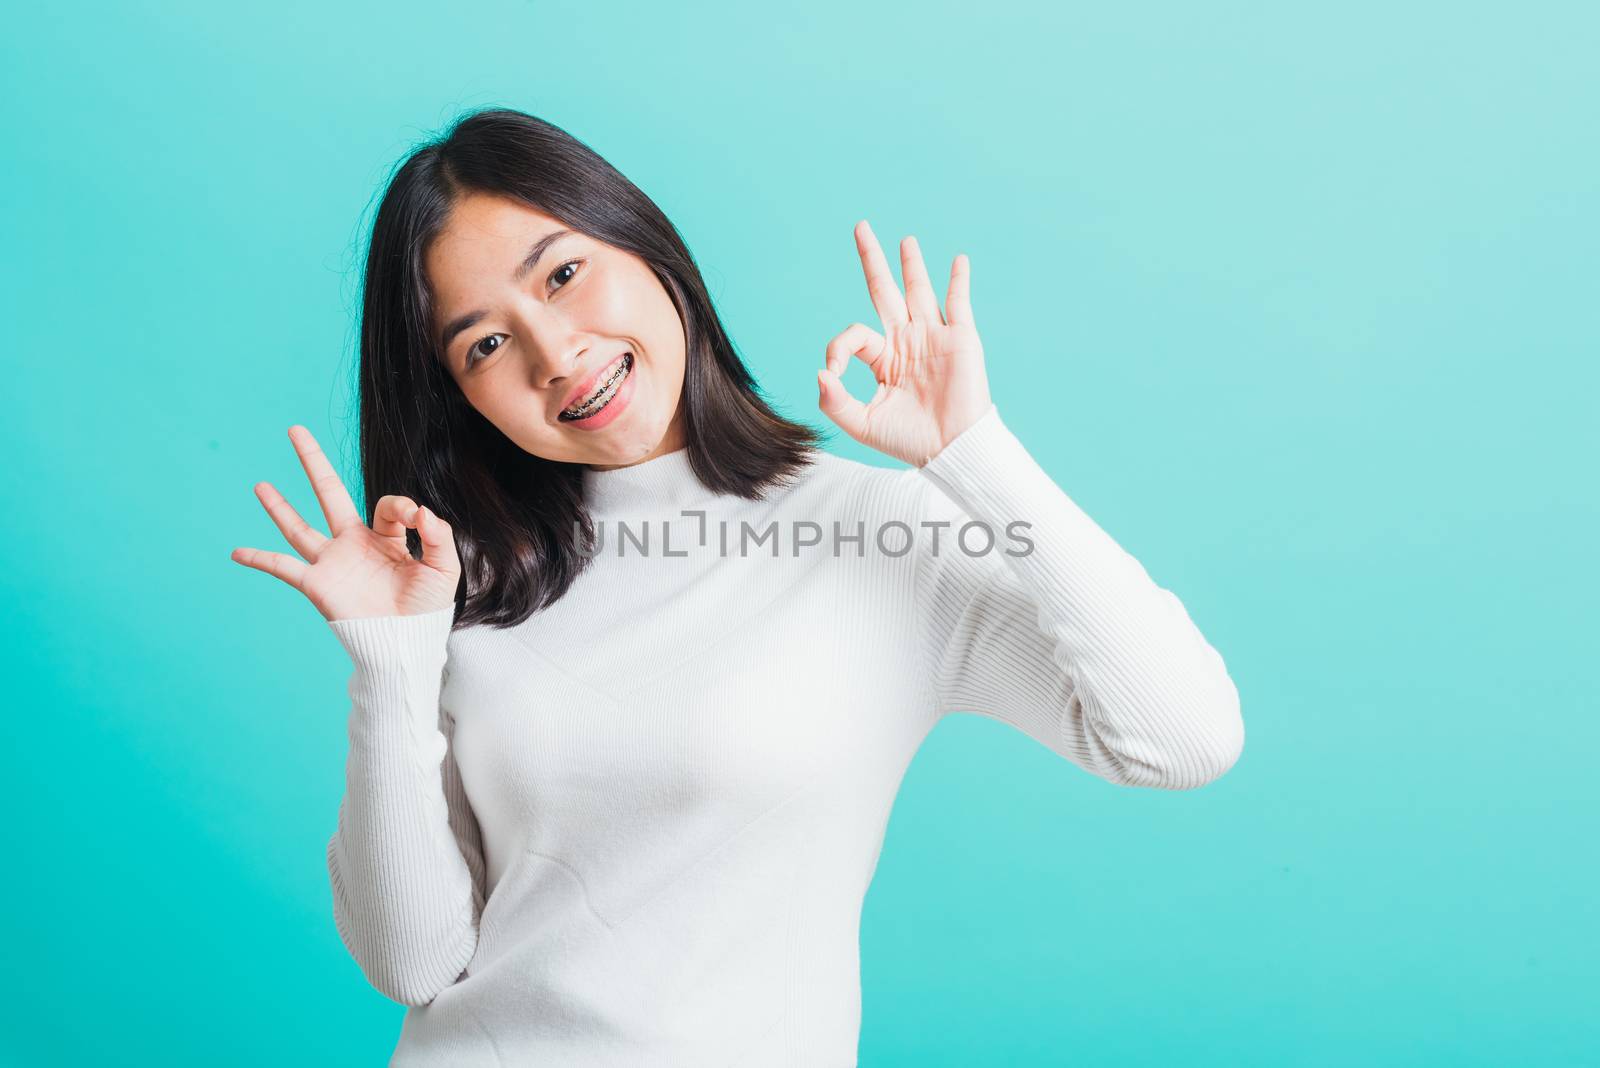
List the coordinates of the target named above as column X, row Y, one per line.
column 587, row 386
column 613, row 411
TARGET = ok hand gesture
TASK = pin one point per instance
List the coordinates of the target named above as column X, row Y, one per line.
column 360, row 570
column 931, row 380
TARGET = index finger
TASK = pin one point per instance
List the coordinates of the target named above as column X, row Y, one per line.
column 337, row 506
column 886, row 296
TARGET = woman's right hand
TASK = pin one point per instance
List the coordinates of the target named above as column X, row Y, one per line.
column 360, row 570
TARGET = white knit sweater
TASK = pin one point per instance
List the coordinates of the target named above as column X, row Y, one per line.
column 637, row 830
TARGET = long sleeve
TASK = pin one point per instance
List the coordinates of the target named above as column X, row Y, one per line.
column 1067, row 638
column 406, row 862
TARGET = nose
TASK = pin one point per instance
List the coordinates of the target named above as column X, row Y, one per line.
column 554, row 354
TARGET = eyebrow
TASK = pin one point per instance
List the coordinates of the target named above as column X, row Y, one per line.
column 529, row 262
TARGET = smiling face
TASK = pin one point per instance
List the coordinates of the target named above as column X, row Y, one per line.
column 531, row 343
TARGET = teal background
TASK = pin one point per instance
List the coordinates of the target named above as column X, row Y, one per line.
column 1299, row 302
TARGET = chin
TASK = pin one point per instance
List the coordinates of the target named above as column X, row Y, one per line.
column 629, row 445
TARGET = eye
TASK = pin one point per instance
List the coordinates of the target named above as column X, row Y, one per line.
column 557, row 272
column 477, row 349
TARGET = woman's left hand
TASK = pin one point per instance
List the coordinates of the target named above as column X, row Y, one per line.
column 931, row 380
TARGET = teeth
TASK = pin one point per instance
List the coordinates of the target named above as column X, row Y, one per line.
column 604, row 392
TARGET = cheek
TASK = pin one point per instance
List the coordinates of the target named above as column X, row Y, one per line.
column 612, row 307
column 506, row 402
column 664, row 332
column 638, row 304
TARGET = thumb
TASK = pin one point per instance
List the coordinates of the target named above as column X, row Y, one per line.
column 438, row 542
column 837, row 403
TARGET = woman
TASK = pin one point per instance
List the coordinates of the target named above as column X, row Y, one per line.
column 628, row 722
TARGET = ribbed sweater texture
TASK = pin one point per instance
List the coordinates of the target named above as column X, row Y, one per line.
column 638, row 828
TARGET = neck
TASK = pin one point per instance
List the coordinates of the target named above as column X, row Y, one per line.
column 662, row 484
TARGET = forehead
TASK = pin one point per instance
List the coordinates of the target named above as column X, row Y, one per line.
column 485, row 233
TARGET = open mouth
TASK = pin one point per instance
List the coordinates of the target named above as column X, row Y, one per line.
column 603, row 394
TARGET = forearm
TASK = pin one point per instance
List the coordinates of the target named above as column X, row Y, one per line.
column 1137, row 690
column 404, row 898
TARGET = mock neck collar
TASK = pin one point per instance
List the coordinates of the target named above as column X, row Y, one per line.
column 663, row 484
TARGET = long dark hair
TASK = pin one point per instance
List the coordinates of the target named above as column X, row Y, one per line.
column 515, row 515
